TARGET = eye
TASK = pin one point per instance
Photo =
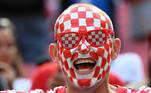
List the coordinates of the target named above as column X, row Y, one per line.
column 96, row 38
column 69, row 40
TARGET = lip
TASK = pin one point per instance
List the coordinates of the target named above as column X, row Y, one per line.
column 88, row 65
column 90, row 58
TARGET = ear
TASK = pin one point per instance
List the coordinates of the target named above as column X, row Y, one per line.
column 116, row 48
column 53, row 52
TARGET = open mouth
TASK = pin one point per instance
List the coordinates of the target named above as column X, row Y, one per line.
column 84, row 65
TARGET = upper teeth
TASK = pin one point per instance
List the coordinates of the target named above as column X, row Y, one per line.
column 84, row 61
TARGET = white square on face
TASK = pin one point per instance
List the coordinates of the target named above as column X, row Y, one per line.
column 100, row 32
column 100, row 39
column 93, row 33
column 97, row 43
column 67, row 11
column 70, row 45
column 96, row 36
column 73, row 42
column 96, row 22
column 90, row 37
column 82, row 22
column 106, row 66
column 66, row 42
column 77, row 38
column 63, row 38
column 61, row 20
column 103, row 35
column 67, row 25
column 73, row 35
column 89, row 14
column 102, row 17
column 75, row 29
column 105, row 54
column 90, row 28
column 107, row 26
column 81, row 9
column 93, row 40
column 74, row 15
column 66, row 35
column 70, row 38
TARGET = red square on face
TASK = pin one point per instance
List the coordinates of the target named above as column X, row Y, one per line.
column 62, row 27
column 67, row 17
column 75, row 9
column 102, row 24
column 96, row 16
column 82, row 14
column 82, row 28
column 75, row 23
column 89, row 21
column 84, row 82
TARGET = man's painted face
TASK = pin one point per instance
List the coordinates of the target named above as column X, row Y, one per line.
column 84, row 45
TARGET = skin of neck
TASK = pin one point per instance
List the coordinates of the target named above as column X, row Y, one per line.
column 101, row 87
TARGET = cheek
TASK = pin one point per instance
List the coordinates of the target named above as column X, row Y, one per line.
column 75, row 56
column 8, row 56
column 13, row 54
column 67, row 54
column 93, row 55
column 100, row 52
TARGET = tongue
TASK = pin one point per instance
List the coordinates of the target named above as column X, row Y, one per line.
column 85, row 66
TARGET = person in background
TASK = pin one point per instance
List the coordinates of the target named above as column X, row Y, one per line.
column 115, row 80
column 3, row 83
column 11, row 63
column 126, row 72
column 47, row 75
column 31, row 27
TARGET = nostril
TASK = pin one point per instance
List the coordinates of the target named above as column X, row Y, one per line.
column 83, row 48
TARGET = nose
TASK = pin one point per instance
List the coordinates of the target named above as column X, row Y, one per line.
column 84, row 46
column 3, row 49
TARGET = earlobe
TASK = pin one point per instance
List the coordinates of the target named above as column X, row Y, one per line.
column 53, row 52
column 116, row 48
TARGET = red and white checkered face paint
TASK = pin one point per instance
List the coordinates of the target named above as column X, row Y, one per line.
column 84, row 44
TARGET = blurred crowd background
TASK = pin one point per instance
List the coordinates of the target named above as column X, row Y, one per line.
column 26, row 29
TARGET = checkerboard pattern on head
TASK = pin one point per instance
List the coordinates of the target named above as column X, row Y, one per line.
column 102, row 67
column 81, row 18
column 77, row 21
column 96, row 38
column 69, row 40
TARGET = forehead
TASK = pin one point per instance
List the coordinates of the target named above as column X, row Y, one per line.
column 6, row 35
column 81, row 18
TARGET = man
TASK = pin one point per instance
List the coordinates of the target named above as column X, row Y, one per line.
column 85, row 46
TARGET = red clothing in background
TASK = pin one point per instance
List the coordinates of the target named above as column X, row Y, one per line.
column 44, row 72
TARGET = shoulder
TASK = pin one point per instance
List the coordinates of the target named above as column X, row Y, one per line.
column 143, row 89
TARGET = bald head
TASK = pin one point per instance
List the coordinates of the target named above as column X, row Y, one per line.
column 82, row 17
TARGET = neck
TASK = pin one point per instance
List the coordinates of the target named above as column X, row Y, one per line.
column 102, row 87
